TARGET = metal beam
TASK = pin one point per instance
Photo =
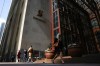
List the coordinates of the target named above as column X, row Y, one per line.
column 91, row 4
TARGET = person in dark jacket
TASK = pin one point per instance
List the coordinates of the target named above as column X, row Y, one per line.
column 12, row 58
column 58, row 48
column 25, row 55
column 18, row 55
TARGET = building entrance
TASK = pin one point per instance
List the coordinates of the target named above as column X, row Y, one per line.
column 76, row 30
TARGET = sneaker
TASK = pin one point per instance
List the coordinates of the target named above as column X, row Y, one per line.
column 63, row 62
column 43, row 62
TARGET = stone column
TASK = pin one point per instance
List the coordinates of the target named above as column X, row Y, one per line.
column 21, row 25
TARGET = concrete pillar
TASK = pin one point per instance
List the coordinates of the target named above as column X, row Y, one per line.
column 21, row 26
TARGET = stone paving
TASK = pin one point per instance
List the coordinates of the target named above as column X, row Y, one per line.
column 57, row 60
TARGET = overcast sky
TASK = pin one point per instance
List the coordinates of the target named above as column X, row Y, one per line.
column 4, row 9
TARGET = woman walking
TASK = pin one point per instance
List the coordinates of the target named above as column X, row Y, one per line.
column 58, row 49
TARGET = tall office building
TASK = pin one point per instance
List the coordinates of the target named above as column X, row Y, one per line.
column 37, row 22
column 28, row 24
column 1, row 31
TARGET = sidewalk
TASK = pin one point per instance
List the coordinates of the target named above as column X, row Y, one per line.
column 91, row 58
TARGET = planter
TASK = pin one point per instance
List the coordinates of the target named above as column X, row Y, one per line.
column 49, row 54
column 75, row 52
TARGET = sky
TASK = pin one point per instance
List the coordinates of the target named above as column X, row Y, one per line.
column 4, row 9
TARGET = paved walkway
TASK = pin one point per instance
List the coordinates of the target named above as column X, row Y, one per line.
column 34, row 64
column 49, row 60
column 91, row 58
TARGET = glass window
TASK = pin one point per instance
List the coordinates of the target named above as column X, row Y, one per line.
column 94, row 23
column 55, row 5
column 55, row 19
column 55, row 33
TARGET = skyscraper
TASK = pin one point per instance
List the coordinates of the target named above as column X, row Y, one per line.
column 28, row 24
column 1, row 31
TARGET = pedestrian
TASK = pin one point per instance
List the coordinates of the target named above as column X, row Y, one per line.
column 50, row 46
column 25, row 55
column 30, row 53
column 58, row 49
column 12, row 58
column 18, row 55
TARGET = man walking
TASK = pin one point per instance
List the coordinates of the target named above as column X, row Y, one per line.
column 30, row 53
